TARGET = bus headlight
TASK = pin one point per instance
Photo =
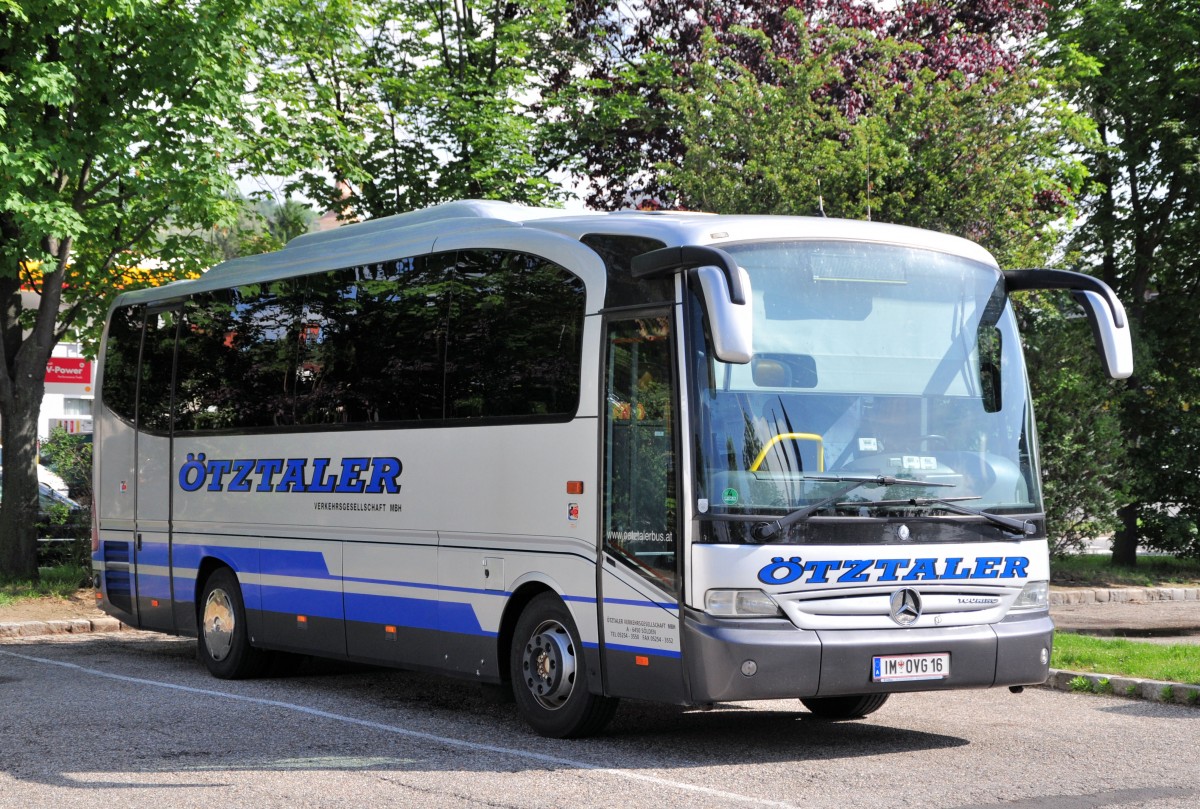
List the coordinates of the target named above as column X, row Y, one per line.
column 740, row 604
column 1034, row 596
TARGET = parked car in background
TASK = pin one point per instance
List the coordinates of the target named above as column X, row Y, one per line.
column 62, row 524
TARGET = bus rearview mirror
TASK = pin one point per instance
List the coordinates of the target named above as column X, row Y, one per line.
column 1106, row 313
column 1111, row 330
column 731, row 324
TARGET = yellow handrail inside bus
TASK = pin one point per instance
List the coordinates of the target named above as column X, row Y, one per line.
column 792, row 437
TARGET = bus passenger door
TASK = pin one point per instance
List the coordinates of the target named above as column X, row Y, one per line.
column 152, row 530
column 639, row 579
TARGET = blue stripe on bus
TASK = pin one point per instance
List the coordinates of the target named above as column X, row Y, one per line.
column 643, row 650
column 627, row 602
column 154, row 586
column 580, row 599
column 414, row 613
column 300, row 601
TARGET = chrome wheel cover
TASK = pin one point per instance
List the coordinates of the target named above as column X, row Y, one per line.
column 548, row 665
column 218, row 624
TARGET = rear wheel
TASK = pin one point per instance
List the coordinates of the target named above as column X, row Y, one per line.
column 548, row 678
column 851, row 707
column 224, row 640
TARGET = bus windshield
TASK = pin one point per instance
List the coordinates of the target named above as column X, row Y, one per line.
column 870, row 361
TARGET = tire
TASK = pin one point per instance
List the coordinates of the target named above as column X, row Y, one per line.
column 223, row 639
column 548, row 678
column 852, row 707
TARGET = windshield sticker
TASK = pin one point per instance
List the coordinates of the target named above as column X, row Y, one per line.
column 730, row 497
column 863, row 571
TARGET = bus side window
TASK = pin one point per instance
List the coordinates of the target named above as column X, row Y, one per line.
column 121, row 351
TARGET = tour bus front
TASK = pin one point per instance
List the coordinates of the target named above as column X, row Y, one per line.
column 867, row 509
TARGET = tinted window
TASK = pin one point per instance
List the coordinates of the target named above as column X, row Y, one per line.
column 372, row 343
column 237, row 358
column 469, row 335
column 121, row 350
column 623, row 289
column 154, row 385
column 515, row 326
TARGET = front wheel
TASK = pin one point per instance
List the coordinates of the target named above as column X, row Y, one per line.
column 224, row 639
column 852, row 707
column 547, row 670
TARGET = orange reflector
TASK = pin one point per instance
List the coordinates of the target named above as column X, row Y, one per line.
column 302, row 619
column 642, row 660
column 154, row 602
column 574, row 487
column 391, row 630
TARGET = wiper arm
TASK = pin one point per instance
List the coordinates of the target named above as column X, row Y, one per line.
column 763, row 531
column 1010, row 524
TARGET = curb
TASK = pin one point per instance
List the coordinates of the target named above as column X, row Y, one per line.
column 1111, row 685
column 1121, row 595
column 74, row 626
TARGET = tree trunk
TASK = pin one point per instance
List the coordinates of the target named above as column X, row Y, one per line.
column 19, row 506
column 1125, row 541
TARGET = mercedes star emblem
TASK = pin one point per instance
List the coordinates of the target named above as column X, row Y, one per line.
column 906, row 606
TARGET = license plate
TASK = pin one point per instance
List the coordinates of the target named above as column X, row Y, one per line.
column 898, row 668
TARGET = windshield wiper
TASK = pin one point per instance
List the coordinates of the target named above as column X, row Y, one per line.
column 763, row 531
column 1010, row 524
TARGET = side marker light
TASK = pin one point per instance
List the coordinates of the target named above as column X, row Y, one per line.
column 641, row 660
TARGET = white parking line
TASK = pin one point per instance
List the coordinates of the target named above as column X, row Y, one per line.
column 541, row 758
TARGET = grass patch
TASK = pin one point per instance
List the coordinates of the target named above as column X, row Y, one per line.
column 1179, row 663
column 1098, row 570
column 61, row 582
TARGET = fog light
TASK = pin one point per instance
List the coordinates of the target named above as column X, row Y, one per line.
column 740, row 604
column 749, row 668
column 1045, row 658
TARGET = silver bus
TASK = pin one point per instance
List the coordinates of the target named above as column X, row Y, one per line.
column 675, row 457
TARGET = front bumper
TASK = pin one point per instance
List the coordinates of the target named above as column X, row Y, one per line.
column 791, row 662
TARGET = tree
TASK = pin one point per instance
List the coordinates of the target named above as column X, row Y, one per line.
column 262, row 225
column 986, row 159
column 1079, row 423
column 1137, row 78
column 617, row 128
column 387, row 107
column 116, row 120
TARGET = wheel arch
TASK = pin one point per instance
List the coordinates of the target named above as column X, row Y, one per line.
column 525, row 592
column 208, row 565
column 516, row 605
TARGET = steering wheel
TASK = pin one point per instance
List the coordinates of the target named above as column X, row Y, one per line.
column 934, row 441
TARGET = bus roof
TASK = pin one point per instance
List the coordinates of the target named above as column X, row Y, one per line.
column 418, row 232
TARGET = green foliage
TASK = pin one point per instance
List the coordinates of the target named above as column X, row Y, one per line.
column 1082, row 449
column 1177, row 663
column 58, row 581
column 1098, row 569
column 988, row 159
column 1134, row 72
column 404, row 103
column 70, row 457
column 1081, row 683
column 262, row 226
column 117, row 125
